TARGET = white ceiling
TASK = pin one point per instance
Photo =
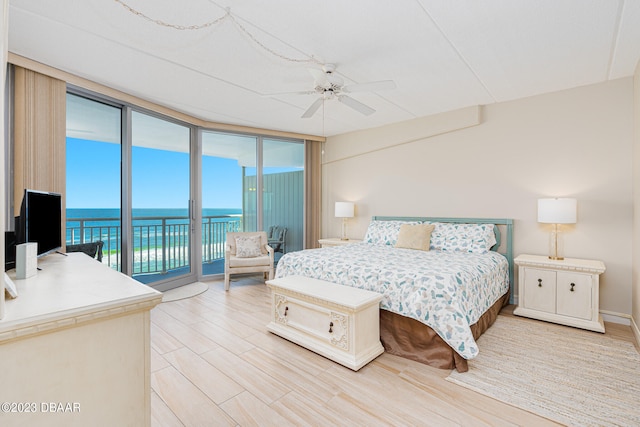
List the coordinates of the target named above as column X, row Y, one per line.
column 442, row 54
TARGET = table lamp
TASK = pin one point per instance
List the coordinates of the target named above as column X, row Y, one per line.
column 557, row 211
column 345, row 211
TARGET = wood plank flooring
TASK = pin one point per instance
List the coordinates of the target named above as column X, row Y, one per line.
column 213, row 363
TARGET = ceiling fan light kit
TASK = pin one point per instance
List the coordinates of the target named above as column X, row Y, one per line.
column 331, row 86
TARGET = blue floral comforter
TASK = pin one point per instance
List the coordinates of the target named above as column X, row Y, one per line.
column 447, row 291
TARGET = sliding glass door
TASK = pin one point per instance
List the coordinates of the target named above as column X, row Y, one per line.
column 161, row 202
column 144, row 177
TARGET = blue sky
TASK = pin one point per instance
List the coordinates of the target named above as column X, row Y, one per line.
column 160, row 178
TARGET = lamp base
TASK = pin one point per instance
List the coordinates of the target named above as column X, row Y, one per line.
column 556, row 243
column 344, row 230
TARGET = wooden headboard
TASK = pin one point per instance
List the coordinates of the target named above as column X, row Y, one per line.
column 503, row 231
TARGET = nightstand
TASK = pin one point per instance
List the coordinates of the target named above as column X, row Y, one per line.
column 565, row 292
column 336, row 241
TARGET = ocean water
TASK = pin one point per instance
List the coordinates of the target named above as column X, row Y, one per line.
column 114, row 213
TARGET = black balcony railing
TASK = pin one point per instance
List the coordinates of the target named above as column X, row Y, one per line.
column 160, row 244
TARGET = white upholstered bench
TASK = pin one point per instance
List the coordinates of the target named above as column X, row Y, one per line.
column 338, row 322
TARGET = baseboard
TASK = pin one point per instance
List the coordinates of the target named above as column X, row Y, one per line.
column 613, row 317
column 607, row 316
column 636, row 330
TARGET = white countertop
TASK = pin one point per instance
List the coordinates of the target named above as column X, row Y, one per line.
column 68, row 290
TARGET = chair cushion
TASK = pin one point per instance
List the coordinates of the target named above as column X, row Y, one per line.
column 262, row 260
column 248, row 247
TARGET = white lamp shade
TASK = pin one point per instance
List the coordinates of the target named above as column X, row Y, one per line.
column 557, row 211
column 344, row 209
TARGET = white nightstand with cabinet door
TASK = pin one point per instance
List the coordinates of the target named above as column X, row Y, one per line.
column 336, row 241
column 560, row 291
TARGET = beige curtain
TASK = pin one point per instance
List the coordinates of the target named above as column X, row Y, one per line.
column 313, row 193
column 39, row 128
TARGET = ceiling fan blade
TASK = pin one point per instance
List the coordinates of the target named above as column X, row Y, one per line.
column 370, row 87
column 314, row 107
column 356, row 105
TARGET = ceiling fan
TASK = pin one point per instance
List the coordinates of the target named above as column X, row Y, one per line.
column 331, row 86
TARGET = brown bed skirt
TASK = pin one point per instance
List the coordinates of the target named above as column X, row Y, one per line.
column 408, row 338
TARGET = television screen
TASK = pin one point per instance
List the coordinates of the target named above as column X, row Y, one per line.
column 41, row 220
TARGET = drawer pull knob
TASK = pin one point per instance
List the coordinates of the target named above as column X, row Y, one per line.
column 572, row 286
column 330, row 327
column 539, row 283
column 285, row 310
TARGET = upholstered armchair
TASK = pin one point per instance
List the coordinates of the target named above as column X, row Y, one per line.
column 247, row 252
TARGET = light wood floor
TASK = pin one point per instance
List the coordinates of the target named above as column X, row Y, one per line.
column 214, row 363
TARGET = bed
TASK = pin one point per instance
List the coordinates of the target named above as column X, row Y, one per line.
column 438, row 296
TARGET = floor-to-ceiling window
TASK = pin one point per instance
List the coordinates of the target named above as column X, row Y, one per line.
column 250, row 183
column 93, row 175
column 126, row 166
column 227, row 161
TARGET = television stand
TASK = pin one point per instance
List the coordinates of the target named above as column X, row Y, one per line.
column 76, row 341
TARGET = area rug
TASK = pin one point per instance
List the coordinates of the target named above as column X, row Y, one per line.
column 568, row 375
column 186, row 291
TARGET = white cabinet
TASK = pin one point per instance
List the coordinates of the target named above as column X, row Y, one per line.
column 335, row 241
column 76, row 341
column 339, row 322
column 560, row 291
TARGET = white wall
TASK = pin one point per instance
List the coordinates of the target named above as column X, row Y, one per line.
column 574, row 143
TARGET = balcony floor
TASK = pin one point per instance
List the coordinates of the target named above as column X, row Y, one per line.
column 209, row 268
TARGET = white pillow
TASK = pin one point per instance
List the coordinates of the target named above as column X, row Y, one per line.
column 476, row 238
column 248, row 247
column 384, row 232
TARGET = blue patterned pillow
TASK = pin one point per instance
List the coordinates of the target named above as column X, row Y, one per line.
column 385, row 232
column 476, row 238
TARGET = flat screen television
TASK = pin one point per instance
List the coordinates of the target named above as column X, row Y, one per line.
column 40, row 220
